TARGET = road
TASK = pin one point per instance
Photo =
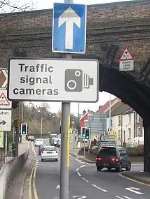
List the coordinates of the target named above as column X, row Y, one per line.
column 86, row 183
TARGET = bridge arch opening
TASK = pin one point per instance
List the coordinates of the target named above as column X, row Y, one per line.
column 132, row 93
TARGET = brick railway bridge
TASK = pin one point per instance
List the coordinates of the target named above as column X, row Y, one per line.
column 110, row 29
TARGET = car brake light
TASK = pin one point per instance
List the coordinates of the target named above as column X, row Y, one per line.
column 98, row 158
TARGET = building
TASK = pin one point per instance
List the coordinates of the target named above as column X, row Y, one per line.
column 126, row 125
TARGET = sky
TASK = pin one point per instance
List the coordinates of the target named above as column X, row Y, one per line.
column 55, row 107
column 103, row 96
column 44, row 4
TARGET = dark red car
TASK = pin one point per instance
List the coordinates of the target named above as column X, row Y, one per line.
column 113, row 157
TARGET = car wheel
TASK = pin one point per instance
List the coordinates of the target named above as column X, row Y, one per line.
column 119, row 168
column 99, row 169
column 42, row 160
column 128, row 168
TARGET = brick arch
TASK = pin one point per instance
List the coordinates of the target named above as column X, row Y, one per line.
column 127, row 89
column 110, row 29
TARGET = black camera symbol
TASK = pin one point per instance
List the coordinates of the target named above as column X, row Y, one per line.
column 73, row 80
column 76, row 80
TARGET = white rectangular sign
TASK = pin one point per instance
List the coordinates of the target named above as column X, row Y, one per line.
column 126, row 65
column 4, row 102
column 53, row 80
column 5, row 120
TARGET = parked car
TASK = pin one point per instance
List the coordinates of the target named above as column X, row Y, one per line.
column 31, row 138
column 38, row 142
column 58, row 142
column 49, row 153
column 113, row 157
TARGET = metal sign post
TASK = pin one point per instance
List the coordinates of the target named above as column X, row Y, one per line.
column 64, row 164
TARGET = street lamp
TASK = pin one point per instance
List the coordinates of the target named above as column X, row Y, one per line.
column 41, row 120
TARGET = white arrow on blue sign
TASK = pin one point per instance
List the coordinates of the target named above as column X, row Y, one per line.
column 69, row 28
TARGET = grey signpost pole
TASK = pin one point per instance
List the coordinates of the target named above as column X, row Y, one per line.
column 65, row 146
column 64, row 164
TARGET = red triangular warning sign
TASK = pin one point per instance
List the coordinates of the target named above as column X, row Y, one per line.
column 4, row 100
column 126, row 55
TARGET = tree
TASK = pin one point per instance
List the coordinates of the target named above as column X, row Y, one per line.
column 15, row 5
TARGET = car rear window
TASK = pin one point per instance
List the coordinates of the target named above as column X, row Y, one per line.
column 123, row 153
column 49, row 149
column 107, row 152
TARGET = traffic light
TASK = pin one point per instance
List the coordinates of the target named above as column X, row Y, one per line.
column 24, row 129
column 83, row 132
column 87, row 133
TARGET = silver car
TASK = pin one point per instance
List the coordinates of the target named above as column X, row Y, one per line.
column 49, row 153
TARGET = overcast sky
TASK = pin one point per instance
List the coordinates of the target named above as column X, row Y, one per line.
column 43, row 4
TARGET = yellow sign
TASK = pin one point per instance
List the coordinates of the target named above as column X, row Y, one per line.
column 1, row 139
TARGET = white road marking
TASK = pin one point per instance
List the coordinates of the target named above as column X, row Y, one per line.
column 127, row 197
column 58, row 186
column 119, row 197
column 99, row 188
column 133, row 180
column 134, row 190
column 123, row 197
column 79, row 197
column 84, row 179
column 79, row 174
column 82, row 166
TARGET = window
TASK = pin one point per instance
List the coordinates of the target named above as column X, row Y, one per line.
column 129, row 129
column 107, row 152
column 138, row 118
column 119, row 120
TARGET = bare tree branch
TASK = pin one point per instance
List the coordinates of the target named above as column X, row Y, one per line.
column 15, row 5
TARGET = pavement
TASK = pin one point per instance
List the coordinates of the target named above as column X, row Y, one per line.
column 18, row 188
column 22, row 148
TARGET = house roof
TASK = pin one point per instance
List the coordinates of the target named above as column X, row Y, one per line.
column 121, row 109
column 105, row 108
column 117, row 107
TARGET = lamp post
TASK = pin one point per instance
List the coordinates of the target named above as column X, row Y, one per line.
column 41, row 126
column 41, row 121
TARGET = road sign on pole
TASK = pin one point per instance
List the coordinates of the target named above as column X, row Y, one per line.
column 39, row 80
column 69, row 28
column 4, row 102
column 5, row 120
column 126, row 61
column 3, row 78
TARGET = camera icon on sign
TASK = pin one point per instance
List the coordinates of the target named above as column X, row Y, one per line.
column 76, row 80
